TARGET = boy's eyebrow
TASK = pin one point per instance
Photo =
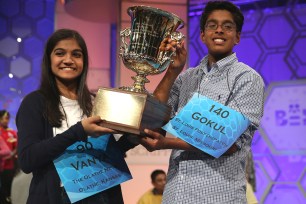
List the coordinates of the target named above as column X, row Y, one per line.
column 215, row 21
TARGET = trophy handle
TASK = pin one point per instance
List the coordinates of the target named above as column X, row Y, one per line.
column 124, row 34
column 165, row 56
column 140, row 79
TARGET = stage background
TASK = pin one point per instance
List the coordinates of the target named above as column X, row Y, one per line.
column 273, row 43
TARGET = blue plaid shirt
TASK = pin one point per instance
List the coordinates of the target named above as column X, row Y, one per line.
column 196, row 177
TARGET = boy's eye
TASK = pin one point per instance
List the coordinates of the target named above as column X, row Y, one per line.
column 211, row 26
column 225, row 26
column 228, row 26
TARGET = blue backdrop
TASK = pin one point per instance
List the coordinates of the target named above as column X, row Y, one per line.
column 24, row 28
column 273, row 42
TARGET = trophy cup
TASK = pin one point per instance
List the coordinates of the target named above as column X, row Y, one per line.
column 132, row 109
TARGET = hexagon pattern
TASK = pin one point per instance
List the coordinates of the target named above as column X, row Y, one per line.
column 32, row 21
column 34, row 9
column 244, row 51
column 284, row 194
column 44, row 27
column 262, row 180
column 8, row 46
column 3, row 26
column 20, row 67
column 33, row 47
column 271, row 28
column 299, row 45
column 3, row 66
column 273, row 42
column 10, row 8
column 285, row 117
column 21, row 26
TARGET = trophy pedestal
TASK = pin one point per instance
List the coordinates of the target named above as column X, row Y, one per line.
column 130, row 112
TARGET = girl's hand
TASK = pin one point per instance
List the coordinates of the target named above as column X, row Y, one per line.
column 92, row 126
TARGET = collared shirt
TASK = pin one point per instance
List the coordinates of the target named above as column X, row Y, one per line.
column 150, row 197
column 195, row 177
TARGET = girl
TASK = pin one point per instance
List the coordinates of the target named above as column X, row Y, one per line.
column 58, row 115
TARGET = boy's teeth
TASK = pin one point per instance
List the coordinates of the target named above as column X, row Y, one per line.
column 218, row 40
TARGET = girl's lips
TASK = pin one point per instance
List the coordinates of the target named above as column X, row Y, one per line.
column 67, row 68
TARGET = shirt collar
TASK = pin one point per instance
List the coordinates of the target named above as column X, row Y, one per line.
column 219, row 66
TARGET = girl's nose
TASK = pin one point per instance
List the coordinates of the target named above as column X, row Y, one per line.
column 68, row 59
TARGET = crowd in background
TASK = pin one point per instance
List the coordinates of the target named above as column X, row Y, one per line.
column 8, row 157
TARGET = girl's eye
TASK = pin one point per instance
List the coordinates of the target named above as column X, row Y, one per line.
column 77, row 54
column 59, row 53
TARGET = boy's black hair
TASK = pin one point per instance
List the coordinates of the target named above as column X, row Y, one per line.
column 155, row 173
column 222, row 5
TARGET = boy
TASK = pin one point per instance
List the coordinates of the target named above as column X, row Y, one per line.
column 194, row 176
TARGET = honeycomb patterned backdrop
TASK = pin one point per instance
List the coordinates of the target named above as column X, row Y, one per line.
column 24, row 29
column 273, row 42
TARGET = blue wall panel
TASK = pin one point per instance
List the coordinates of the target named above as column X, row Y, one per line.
column 24, row 29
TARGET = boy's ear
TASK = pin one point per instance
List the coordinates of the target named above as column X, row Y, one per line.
column 202, row 36
column 237, row 38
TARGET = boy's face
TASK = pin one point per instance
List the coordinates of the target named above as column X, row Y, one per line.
column 220, row 35
column 160, row 182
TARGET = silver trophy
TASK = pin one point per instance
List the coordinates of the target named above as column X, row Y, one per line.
column 132, row 109
column 149, row 27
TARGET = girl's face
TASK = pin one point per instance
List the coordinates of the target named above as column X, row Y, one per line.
column 4, row 121
column 67, row 61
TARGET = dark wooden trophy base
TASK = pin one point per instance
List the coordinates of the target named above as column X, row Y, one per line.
column 130, row 112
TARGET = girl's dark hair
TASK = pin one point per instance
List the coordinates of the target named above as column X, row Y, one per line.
column 48, row 85
column 3, row 112
column 222, row 5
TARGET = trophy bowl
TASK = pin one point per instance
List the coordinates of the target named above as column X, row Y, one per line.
column 132, row 109
column 140, row 43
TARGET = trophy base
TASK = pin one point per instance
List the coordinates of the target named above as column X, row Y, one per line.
column 130, row 112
